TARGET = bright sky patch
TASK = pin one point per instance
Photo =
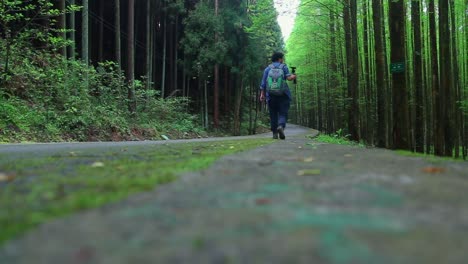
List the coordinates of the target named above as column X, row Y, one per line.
column 287, row 10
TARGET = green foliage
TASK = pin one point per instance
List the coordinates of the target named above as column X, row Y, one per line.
column 430, row 157
column 264, row 27
column 202, row 50
column 48, row 98
column 309, row 50
column 336, row 139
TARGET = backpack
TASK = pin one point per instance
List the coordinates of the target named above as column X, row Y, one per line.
column 276, row 84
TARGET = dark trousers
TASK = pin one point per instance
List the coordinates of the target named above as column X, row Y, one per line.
column 279, row 108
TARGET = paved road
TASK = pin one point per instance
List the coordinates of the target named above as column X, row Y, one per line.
column 49, row 148
column 295, row 201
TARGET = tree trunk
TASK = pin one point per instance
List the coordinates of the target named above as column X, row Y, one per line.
column 163, row 78
column 101, row 31
column 438, row 119
column 131, row 57
column 350, row 22
column 238, row 104
column 418, row 76
column 176, row 53
column 251, row 105
column 381, row 69
column 149, row 31
column 85, row 33
column 333, row 76
column 257, row 94
column 464, row 74
column 226, row 91
column 445, row 60
column 457, row 114
column 62, row 24
column 401, row 139
column 216, row 81
column 207, row 124
column 367, row 73
column 118, row 45
column 72, row 32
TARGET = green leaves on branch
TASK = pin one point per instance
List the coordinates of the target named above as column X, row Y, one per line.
column 202, row 49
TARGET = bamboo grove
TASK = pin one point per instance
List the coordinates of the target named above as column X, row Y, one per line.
column 211, row 51
column 389, row 73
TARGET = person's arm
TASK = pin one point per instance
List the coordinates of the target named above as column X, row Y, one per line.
column 287, row 74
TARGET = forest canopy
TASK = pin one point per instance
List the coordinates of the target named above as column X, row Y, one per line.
column 388, row 73
column 126, row 69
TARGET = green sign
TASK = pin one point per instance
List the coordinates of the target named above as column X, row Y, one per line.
column 398, row 67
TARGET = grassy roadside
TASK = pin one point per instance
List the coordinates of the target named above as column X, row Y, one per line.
column 42, row 188
column 334, row 139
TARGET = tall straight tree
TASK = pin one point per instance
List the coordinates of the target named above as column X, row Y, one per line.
column 62, row 23
column 401, row 139
column 418, row 76
column 333, row 77
column 381, row 70
column 101, row 22
column 368, row 131
column 350, row 22
column 456, row 81
column 438, row 119
column 446, row 98
column 149, row 32
column 118, row 43
column 85, row 32
column 163, row 77
column 216, row 80
column 131, row 57
column 72, row 31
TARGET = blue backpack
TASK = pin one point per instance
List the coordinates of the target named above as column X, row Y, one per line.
column 276, row 83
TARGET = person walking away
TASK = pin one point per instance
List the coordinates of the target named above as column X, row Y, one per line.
column 275, row 90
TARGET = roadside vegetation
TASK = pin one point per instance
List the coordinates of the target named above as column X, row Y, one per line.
column 391, row 74
column 57, row 103
column 78, row 71
column 339, row 139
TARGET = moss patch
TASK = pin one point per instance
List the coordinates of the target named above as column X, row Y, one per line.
column 429, row 157
column 49, row 187
column 334, row 139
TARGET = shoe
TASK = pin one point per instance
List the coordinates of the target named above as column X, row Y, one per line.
column 275, row 135
column 281, row 133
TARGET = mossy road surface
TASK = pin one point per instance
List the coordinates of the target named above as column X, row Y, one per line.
column 294, row 201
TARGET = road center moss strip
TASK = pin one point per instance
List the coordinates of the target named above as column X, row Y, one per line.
column 53, row 186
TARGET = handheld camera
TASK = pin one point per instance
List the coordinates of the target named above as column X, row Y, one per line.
column 294, row 72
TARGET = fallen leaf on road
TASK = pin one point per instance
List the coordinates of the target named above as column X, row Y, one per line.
column 6, row 177
column 262, row 201
column 308, row 172
column 84, row 254
column 310, row 159
column 97, row 164
column 433, row 170
column 299, row 147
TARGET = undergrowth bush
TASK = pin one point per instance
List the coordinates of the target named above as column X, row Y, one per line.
column 45, row 97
